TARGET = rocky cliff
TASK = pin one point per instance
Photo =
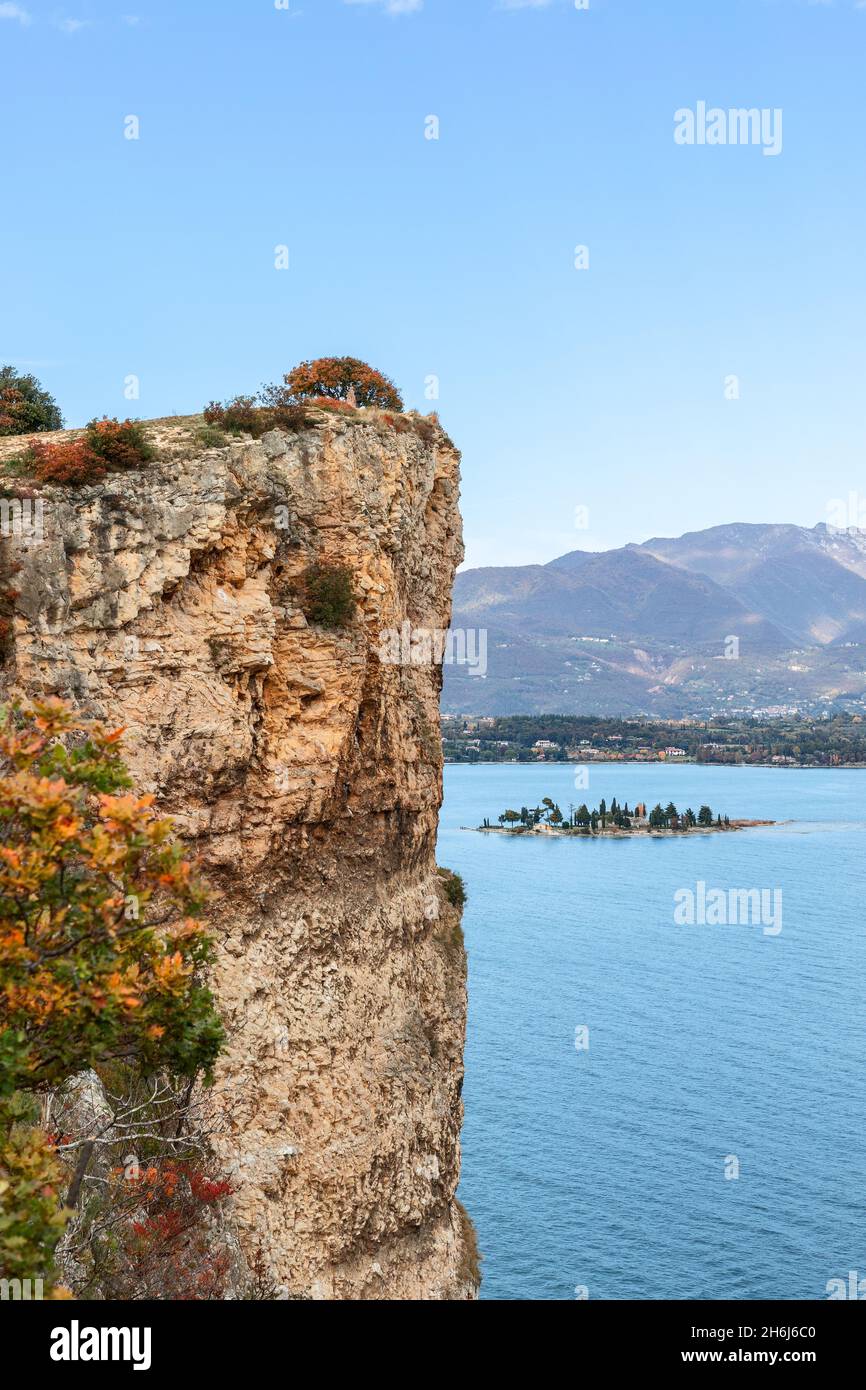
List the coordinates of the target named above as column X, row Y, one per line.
column 306, row 773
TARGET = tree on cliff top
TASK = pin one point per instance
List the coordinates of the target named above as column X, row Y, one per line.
column 24, row 407
column 335, row 377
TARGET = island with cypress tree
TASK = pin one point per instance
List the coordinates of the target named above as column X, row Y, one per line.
column 614, row 819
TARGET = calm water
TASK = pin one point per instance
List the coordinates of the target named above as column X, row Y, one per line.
column 605, row 1167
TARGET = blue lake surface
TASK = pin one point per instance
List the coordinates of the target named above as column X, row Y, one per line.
column 605, row 1168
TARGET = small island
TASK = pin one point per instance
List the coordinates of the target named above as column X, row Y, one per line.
column 613, row 819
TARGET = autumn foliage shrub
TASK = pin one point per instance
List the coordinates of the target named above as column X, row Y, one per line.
column 327, row 403
column 101, row 949
column 70, row 461
column 106, row 445
column 332, row 378
column 31, row 1183
column 119, row 444
column 160, row 1239
column 426, row 427
column 399, row 423
column 326, row 384
column 8, row 594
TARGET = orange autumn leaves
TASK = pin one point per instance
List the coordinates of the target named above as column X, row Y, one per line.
column 101, row 950
column 106, row 445
column 333, row 378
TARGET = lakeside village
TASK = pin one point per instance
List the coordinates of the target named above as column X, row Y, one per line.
column 615, row 819
column 779, row 742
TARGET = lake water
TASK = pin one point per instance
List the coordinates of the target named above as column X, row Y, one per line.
column 605, row 1168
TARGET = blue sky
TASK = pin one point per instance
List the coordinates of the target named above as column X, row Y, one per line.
column 601, row 389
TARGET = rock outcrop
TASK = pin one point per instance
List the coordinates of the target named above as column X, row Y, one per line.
column 306, row 773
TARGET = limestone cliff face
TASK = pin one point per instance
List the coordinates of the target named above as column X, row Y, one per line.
column 307, row 774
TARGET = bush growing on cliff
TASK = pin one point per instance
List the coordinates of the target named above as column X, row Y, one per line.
column 24, row 407
column 105, row 445
column 326, row 384
column 469, row 1272
column 333, row 378
column 119, row 443
column 32, row 1217
column 281, row 409
column 8, row 594
column 69, row 461
column 210, row 437
column 336, row 407
column 427, row 426
column 455, row 888
column 101, row 951
column 329, row 598
column 237, row 416
column 146, row 1230
column 272, row 409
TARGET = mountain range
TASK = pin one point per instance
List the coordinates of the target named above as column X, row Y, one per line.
column 746, row 618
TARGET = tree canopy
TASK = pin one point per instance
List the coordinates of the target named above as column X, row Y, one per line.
column 335, row 377
column 25, row 408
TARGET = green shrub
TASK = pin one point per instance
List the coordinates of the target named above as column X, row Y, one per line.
column 455, row 888
column 211, row 436
column 273, row 408
column 238, row 416
column 329, row 598
column 282, row 409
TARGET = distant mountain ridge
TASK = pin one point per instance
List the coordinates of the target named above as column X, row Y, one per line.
column 647, row 629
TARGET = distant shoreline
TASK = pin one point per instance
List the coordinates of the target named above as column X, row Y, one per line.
column 647, row 762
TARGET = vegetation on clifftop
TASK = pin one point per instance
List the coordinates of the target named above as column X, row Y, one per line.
column 107, row 445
